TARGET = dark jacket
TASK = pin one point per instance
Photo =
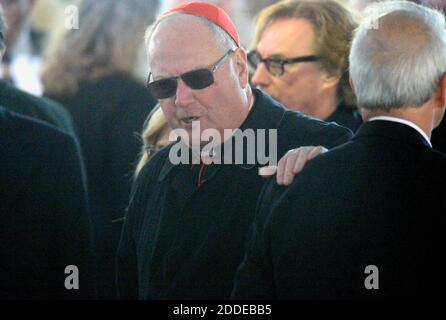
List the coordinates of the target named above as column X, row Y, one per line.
column 184, row 241
column 44, row 218
column 376, row 200
column 32, row 106
column 346, row 116
column 109, row 115
column 439, row 137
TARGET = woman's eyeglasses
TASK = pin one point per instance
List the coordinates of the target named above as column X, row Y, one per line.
column 276, row 67
column 196, row 79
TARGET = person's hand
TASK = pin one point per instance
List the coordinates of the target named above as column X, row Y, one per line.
column 291, row 164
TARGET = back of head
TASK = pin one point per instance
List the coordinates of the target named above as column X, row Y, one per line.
column 398, row 56
column 109, row 39
column 333, row 26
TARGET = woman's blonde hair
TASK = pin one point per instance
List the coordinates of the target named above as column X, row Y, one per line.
column 155, row 124
column 109, row 39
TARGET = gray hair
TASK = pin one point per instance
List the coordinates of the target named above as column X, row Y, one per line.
column 398, row 55
column 2, row 32
column 221, row 37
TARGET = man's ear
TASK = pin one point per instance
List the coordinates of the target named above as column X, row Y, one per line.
column 442, row 92
column 330, row 80
column 350, row 81
column 241, row 64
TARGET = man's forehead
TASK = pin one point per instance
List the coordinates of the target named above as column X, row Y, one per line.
column 286, row 37
column 184, row 43
column 179, row 30
column 180, row 26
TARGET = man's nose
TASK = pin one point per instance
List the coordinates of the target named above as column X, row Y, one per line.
column 261, row 77
column 184, row 95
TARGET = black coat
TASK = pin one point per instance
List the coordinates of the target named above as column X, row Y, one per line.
column 184, row 241
column 39, row 108
column 346, row 116
column 376, row 200
column 439, row 137
column 109, row 116
column 44, row 218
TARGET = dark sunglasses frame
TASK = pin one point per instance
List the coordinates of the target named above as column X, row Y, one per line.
column 195, row 79
column 254, row 60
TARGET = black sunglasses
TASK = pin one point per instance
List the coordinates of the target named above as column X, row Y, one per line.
column 276, row 66
column 196, row 79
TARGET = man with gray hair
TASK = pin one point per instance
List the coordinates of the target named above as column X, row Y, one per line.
column 366, row 220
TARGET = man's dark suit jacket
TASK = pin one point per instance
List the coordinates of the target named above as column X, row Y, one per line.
column 439, row 137
column 40, row 108
column 44, row 222
column 377, row 200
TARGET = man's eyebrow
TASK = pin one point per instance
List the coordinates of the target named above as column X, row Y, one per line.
column 276, row 56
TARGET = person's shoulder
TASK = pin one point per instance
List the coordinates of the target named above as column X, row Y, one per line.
column 23, row 128
column 437, row 155
column 346, row 116
column 328, row 165
column 20, row 96
column 41, row 108
column 437, row 162
column 298, row 128
column 301, row 122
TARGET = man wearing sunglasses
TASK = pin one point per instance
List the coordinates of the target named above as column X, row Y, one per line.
column 186, row 224
column 301, row 59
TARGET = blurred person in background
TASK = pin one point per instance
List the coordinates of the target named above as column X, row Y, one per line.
column 19, row 101
column 95, row 72
column 361, row 5
column 22, row 61
column 437, row 4
column 300, row 58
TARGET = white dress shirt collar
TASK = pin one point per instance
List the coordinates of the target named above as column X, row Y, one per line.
column 406, row 122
